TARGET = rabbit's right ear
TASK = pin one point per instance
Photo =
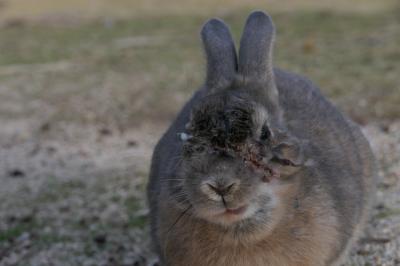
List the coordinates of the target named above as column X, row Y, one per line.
column 221, row 55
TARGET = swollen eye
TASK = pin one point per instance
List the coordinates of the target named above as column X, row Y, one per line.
column 284, row 162
column 265, row 133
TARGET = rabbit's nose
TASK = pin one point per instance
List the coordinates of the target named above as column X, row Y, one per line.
column 221, row 189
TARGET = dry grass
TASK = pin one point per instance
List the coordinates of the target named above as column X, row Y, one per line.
column 127, row 8
column 140, row 69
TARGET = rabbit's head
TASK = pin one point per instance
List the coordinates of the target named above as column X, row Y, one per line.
column 238, row 158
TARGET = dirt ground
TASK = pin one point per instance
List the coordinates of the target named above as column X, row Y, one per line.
column 84, row 99
column 75, row 196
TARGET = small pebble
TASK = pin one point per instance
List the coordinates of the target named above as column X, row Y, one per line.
column 16, row 173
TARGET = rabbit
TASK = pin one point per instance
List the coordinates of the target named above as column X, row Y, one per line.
column 258, row 168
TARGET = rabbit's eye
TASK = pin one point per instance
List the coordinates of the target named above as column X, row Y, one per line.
column 265, row 133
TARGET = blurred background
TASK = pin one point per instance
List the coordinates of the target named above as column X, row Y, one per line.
column 88, row 86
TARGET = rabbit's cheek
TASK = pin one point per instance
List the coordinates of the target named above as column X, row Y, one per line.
column 267, row 195
column 271, row 174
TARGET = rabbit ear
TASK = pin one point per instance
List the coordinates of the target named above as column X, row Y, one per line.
column 221, row 54
column 255, row 57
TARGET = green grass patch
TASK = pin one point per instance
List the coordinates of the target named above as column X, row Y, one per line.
column 132, row 204
column 56, row 190
column 15, row 231
column 387, row 213
column 137, row 221
column 46, row 240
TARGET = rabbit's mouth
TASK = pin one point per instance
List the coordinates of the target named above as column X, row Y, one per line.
column 230, row 216
column 236, row 211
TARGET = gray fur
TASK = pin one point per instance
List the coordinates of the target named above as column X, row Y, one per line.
column 327, row 171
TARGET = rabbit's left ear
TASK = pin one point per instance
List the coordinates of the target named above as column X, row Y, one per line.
column 255, row 60
column 221, row 55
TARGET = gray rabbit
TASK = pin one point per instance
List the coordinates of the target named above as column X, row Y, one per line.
column 258, row 168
